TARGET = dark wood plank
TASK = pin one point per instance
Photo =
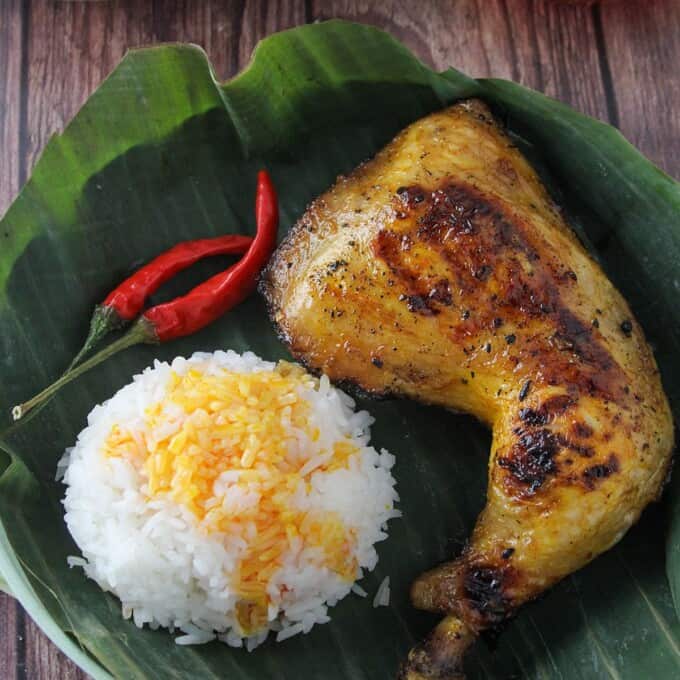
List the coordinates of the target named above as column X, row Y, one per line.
column 44, row 661
column 11, row 57
column 559, row 53
column 544, row 44
column 262, row 18
column 10, row 644
column 642, row 44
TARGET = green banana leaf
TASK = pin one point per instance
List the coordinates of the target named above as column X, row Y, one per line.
column 163, row 152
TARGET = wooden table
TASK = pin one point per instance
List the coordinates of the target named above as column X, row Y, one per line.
column 617, row 60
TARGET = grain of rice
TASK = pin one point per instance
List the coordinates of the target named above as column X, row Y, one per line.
column 382, row 595
column 358, row 590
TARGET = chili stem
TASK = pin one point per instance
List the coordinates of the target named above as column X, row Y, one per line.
column 140, row 332
column 104, row 320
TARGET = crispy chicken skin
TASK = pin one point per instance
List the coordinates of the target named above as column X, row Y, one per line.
column 442, row 271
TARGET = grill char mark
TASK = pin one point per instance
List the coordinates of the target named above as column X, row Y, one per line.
column 485, row 593
column 488, row 256
column 531, row 459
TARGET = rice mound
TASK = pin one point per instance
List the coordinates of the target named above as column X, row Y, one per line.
column 223, row 496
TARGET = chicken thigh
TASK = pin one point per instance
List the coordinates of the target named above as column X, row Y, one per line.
column 442, row 271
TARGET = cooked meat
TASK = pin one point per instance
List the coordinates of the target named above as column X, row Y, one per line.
column 442, row 271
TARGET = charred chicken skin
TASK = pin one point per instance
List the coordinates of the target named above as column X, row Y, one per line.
column 442, row 271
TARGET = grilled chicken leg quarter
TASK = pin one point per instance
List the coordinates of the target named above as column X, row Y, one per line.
column 441, row 271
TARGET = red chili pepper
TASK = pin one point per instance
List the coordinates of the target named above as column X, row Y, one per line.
column 125, row 302
column 129, row 297
column 186, row 314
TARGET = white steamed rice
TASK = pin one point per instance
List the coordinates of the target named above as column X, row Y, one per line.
column 152, row 553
